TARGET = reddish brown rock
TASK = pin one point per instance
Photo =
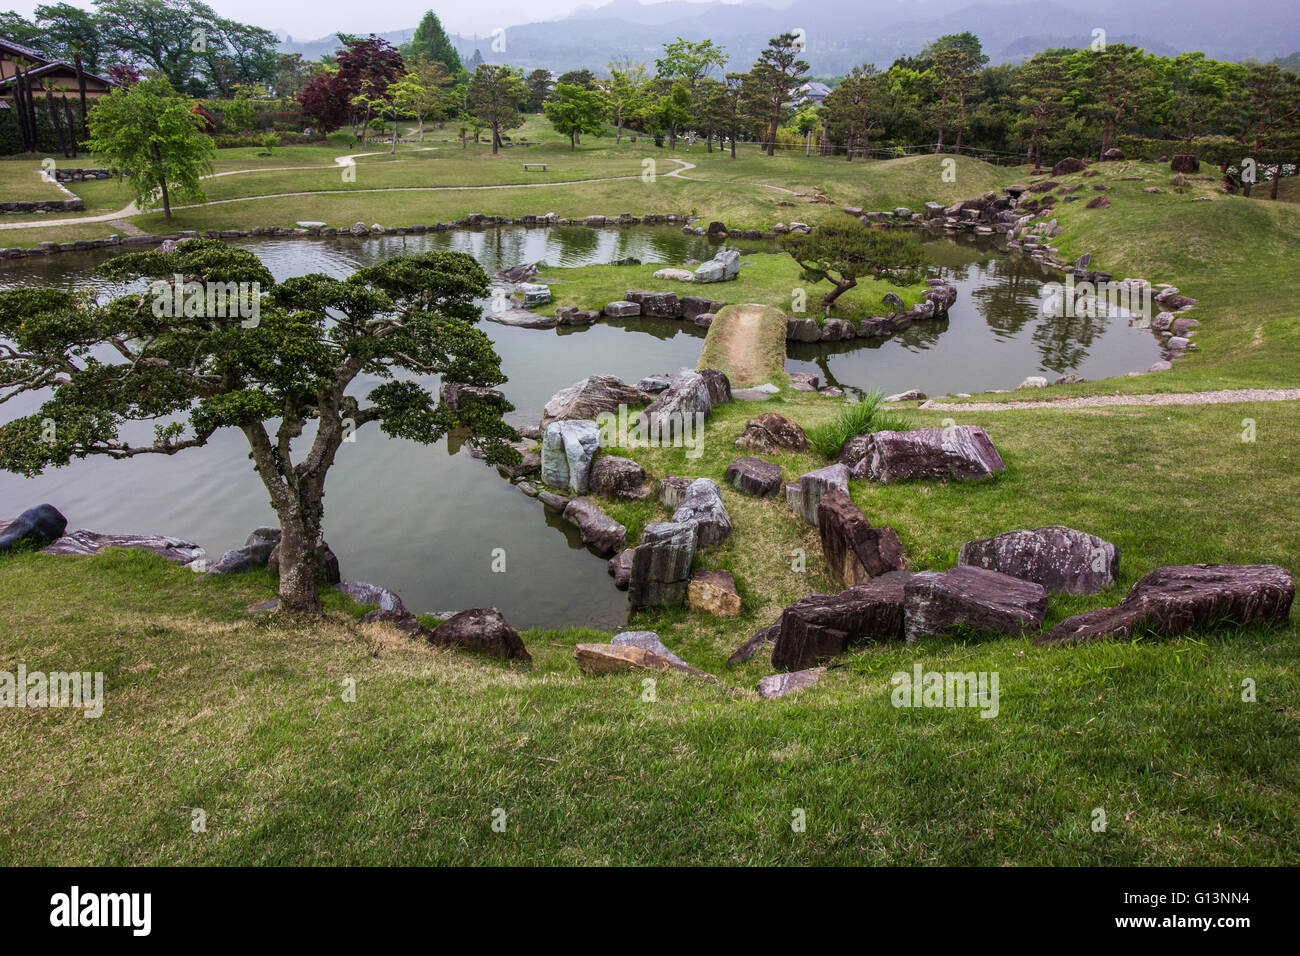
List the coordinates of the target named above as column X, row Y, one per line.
column 1060, row 559
column 824, row 625
column 855, row 551
column 484, row 630
column 972, row 598
column 1172, row 601
column 620, row 568
column 1069, row 165
column 770, row 433
column 754, row 476
column 959, row 451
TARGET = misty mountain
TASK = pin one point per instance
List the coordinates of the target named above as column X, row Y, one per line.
column 844, row 33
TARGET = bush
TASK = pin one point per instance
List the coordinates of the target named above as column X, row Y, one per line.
column 860, row 419
column 234, row 140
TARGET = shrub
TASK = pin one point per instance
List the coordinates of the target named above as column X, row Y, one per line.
column 861, row 418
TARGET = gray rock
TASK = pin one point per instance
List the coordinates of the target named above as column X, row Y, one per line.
column 685, row 403
column 972, row 598
column 654, row 384
column 591, row 396
column 816, row 483
column 598, row 529
column 568, row 448
column 702, row 507
column 83, row 542
column 255, row 553
column 661, row 565
column 1060, row 559
column 694, row 306
column 364, row 593
column 483, row 630
column 721, row 268
column 39, row 525
column 719, row 386
column 571, row 315
column 779, row 685
column 912, row 395
column 770, row 433
column 646, row 640
column 532, row 294
column 620, row 568
column 672, row 490
column 663, row 305
column 519, row 318
column 622, row 309
column 755, row 476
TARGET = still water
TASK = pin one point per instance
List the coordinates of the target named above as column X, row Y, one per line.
column 425, row 521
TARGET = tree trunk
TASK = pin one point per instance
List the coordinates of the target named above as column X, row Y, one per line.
column 299, row 573
column 496, row 139
column 842, row 286
column 1277, row 178
column 81, row 88
column 167, row 203
column 72, row 126
column 771, row 136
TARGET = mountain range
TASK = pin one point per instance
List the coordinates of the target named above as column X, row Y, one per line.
column 842, row 34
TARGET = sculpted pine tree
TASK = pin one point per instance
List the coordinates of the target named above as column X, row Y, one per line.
column 193, row 364
column 846, row 252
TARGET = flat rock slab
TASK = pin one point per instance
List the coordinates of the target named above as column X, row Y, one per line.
column 855, row 551
column 750, row 395
column 822, row 626
column 484, row 630
column 960, row 451
column 974, row 598
column 647, row 640
column 93, row 542
column 779, row 685
column 611, row 658
column 520, row 318
column 1060, row 559
column 713, row 592
column 1172, row 601
column 755, row 476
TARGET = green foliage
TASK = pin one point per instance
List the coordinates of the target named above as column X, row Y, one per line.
column 844, row 252
column 574, row 111
column 431, row 43
column 151, row 136
column 861, row 418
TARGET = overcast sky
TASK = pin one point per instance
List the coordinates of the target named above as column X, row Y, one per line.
column 311, row 19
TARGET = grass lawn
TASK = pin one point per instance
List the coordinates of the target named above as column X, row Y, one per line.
column 240, row 713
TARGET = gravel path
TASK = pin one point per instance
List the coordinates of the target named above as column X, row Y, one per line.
column 1221, row 397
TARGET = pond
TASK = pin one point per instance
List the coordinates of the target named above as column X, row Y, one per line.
column 426, row 521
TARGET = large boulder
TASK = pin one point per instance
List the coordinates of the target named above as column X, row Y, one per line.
column 568, row 448
column 1175, row 600
column 713, row 592
column 702, row 507
column 678, row 409
column 755, row 476
column 598, row 529
column 959, row 451
column 824, row 625
column 255, row 553
column 770, row 433
column 1068, row 165
column 40, row 525
column 484, row 630
column 723, row 267
column 616, row 477
column 973, row 598
column 855, row 551
column 1060, row 559
column 817, row 483
column 590, row 397
column 661, row 565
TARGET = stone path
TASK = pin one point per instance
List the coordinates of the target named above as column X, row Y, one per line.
column 1220, row 397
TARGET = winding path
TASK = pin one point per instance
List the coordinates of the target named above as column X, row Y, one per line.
column 1220, row 397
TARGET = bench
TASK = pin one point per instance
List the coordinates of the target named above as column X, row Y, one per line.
column 541, row 166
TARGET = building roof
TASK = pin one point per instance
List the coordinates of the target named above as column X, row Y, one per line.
column 9, row 46
column 48, row 68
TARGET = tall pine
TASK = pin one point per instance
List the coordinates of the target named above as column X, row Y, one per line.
column 431, row 43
